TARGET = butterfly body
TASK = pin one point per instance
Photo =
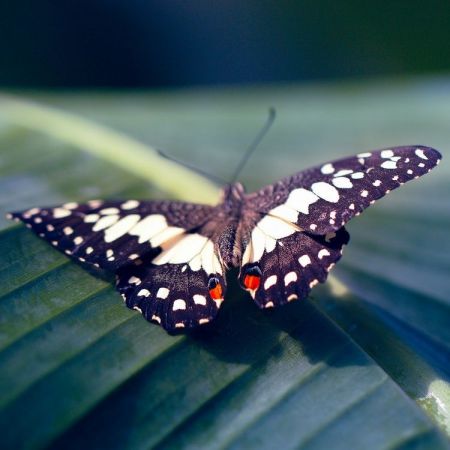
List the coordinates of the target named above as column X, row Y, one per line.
column 171, row 258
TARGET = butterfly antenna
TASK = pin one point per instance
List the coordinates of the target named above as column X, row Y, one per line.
column 259, row 137
column 193, row 168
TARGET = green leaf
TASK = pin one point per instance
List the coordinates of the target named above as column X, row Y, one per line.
column 364, row 363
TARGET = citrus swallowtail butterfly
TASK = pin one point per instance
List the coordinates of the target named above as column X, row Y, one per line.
column 171, row 257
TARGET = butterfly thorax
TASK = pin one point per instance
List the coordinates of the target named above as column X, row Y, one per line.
column 231, row 225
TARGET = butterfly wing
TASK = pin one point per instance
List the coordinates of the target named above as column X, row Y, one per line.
column 324, row 198
column 111, row 234
column 166, row 264
column 291, row 268
column 297, row 230
column 176, row 295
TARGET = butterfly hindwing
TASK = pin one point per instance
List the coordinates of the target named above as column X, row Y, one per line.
column 111, row 234
column 324, row 198
column 182, row 288
column 277, row 274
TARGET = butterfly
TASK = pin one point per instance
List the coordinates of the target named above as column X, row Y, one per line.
column 170, row 257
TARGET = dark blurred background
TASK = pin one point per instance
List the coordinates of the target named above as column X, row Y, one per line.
column 142, row 43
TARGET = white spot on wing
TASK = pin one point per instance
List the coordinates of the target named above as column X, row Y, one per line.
column 59, row 213
column 270, row 282
column 148, row 227
column 187, row 248
column 342, row 182
column 130, row 204
column 91, row 218
column 109, row 211
column 419, row 152
column 134, row 280
column 78, row 240
column 258, row 244
column 122, row 227
column 387, row 154
column 165, row 236
column 156, row 319
column 364, row 193
column 304, row 260
column 364, row 155
column 67, row 230
column 178, row 304
column 95, row 203
column 291, row 277
column 376, row 183
column 343, row 173
column 357, row 175
column 301, row 199
column 326, row 191
column 285, row 213
column 322, row 253
column 105, row 222
column 199, row 299
column 276, row 228
column 389, row 165
column 209, row 262
column 30, row 212
column 195, row 249
column 71, row 205
column 270, row 244
column 162, row 293
column 143, row 293
column 327, row 169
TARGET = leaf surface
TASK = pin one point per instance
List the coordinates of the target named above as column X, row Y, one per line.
column 363, row 363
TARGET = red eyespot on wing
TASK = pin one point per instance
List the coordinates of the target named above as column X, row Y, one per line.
column 252, row 282
column 216, row 292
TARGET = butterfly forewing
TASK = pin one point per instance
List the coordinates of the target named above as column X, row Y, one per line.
column 111, row 234
column 324, row 198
